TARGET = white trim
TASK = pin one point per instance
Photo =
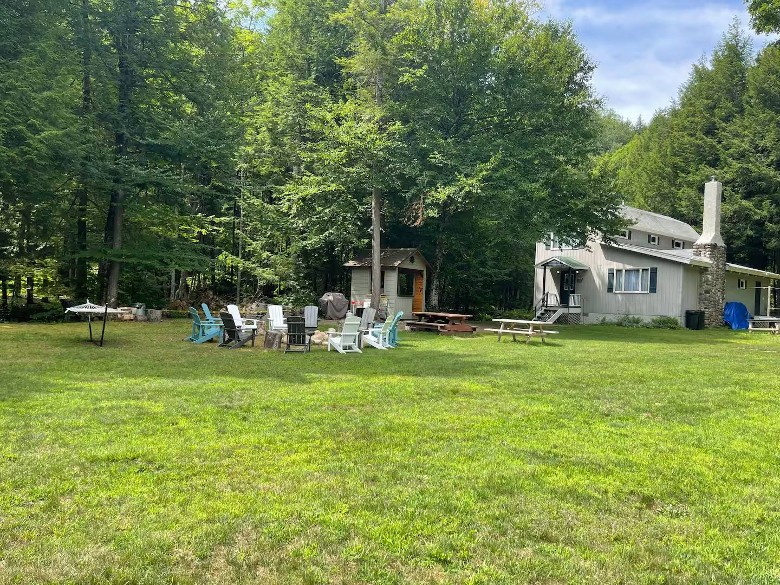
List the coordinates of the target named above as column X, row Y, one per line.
column 751, row 271
column 672, row 255
column 742, row 284
column 623, row 280
column 653, row 239
column 678, row 244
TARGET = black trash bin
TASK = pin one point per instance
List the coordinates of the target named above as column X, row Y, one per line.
column 694, row 319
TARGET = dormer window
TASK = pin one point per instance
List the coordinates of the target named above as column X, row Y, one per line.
column 626, row 234
column 678, row 244
column 652, row 239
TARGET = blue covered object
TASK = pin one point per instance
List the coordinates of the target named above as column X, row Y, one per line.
column 736, row 315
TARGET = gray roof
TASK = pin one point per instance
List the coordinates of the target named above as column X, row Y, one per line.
column 389, row 257
column 751, row 271
column 684, row 256
column 662, row 225
column 687, row 256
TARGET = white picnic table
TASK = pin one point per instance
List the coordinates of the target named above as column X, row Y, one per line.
column 515, row 327
column 768, row 324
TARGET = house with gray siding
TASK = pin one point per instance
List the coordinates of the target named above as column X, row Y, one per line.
column 659, row 266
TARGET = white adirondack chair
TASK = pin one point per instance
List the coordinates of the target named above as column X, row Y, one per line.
column 310, row 313
column 367, row 319
column 346, row 340
column 276, row 318
column 379, row 336
column 241, row 323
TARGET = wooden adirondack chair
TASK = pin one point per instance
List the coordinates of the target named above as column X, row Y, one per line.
column 202, row 331
column 241, row 323
column 346, row 340
column 276, row 318
column 392, row 337
column 296, row 335
column 310, row 313
column 378, row 336
column 235, row 336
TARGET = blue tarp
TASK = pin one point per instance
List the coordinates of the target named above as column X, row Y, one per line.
column 736, row 315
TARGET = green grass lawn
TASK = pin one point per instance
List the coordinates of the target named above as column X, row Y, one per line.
column 610, row 455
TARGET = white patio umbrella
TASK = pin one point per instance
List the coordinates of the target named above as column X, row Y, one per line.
column 90, row 309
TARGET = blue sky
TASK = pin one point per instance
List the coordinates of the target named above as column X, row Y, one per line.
column 644, row 49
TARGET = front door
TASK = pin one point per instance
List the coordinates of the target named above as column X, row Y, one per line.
column 758, row 298
column 419, row 291
column 568, row 278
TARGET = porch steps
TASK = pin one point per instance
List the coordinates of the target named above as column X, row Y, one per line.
column 549, row 315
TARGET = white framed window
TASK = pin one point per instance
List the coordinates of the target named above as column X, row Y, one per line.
column 631, row 280
column 626, row 234
column 678, row 244
column 652, row 239
column 553, row 242
column 741, row 283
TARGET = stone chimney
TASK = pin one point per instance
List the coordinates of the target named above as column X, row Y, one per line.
column 712, row 285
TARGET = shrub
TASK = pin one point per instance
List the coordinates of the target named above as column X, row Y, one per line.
column 664, row 323
column 518, row 314
column 176, row 314
column 630, row 321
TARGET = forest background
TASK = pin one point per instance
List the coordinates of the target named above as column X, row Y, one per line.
column 166, row 151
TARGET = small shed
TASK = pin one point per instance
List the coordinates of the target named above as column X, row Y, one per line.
column 404, row 275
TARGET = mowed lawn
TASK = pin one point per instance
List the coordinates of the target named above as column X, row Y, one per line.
column 610, row 455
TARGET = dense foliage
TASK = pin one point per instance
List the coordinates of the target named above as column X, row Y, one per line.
column 149, row 148
column 724, row 123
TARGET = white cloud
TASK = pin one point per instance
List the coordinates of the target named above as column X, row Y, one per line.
column 644, row 51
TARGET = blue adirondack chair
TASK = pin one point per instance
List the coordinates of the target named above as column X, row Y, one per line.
column 209, row 316
column 202, row 331
column 392, row 336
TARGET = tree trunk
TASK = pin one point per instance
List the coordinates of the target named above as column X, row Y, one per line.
column 125, row 48
column 376, row 247
column 4, row 282
column 80, row 280
column 183, row 294
column 30, row 286
column 112, row 287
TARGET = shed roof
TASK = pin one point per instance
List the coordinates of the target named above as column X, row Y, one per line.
column 389, row 257
column 662, row 225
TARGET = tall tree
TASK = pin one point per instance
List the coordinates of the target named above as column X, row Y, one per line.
column 764, row 15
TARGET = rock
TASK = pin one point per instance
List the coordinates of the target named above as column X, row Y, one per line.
column 319, row 337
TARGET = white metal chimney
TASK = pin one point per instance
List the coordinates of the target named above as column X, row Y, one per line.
column 710, row 233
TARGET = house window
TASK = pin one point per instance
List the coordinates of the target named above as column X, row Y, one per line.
column 652, row 239
column 678, row 244
column 553, row 242
column 406, row 282
column 741, row 283
column 632, row 280
column 626, row 234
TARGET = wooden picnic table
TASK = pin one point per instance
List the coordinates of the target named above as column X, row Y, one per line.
column 515, row 327
column 444, row 323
